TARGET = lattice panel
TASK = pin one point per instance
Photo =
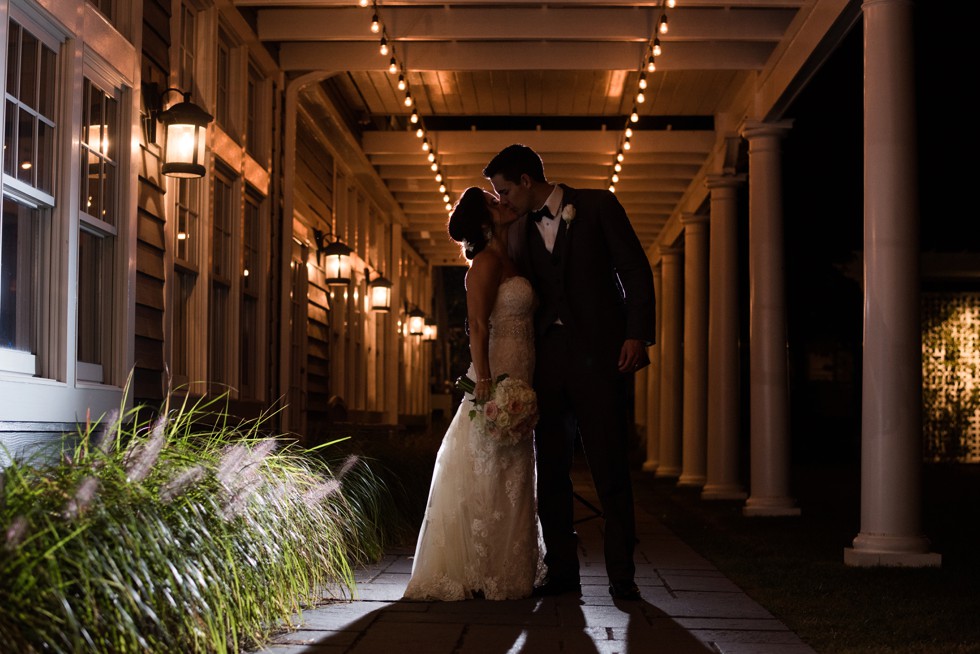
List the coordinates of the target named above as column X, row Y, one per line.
column 951, row 376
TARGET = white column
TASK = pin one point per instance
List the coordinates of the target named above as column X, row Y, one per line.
column 671, row 369
column 653, row 379
column 891, row 425
column 723, row 357
column 695, row 399
column 768, row 369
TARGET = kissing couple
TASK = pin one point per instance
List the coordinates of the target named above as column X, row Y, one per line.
column 559, row 296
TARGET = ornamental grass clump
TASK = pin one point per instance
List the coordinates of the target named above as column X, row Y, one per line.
column 181, row 533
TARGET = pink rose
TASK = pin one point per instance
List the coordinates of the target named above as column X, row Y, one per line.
column 491, row 410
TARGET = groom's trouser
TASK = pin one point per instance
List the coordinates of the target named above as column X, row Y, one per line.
column 576, row 395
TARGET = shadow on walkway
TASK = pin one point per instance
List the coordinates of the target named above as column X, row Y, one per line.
column 688, row 607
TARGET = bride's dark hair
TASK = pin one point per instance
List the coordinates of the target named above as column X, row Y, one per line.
column 470, row 223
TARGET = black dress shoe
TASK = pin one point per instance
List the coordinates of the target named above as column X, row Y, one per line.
column 557, row 587
column 625, row 591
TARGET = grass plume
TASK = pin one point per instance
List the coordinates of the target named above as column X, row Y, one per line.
column 187, row 532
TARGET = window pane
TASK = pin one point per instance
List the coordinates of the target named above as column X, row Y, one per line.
column 249, row 348
column 13, row 47
column 25, row 147
column 90, row 294
column 18, row 276
column 222, row 101
column 183, row 287
column 45, row 105
column 9, row 144
column 221, row 254
column 251, row 110
column 45, row 158
column 187, row 221
column 100, row 133
column 29, row 70
column 218, row 337
column 250, row 245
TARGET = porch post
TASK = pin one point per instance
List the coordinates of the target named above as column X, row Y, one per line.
column 695, row 350
column 653, row 383
column 891, row 424
column 768, row 368
column 671, row 379
column 723, row 367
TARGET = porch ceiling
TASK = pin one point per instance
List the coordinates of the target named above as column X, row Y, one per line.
column 558, row 76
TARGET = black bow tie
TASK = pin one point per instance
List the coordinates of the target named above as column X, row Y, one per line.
column 536, row 216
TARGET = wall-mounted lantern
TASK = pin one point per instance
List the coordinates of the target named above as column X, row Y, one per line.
column 185, row 127
column 335, row 259
column 416, row 322
column 380, row 290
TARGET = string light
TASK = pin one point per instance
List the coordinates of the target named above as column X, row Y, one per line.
column 648, row 65
column 378, row 26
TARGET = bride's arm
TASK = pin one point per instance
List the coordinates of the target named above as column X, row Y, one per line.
column 482, row 281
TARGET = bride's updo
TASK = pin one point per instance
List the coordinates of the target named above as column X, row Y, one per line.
column 471, row 224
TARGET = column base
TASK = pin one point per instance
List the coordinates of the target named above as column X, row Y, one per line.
column 856, row 558
column 668, row 472
column 770, row 506
column 687, row 479
column 650, row 466
column 723, row 492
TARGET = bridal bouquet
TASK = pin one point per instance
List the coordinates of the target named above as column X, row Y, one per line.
column 509, row 415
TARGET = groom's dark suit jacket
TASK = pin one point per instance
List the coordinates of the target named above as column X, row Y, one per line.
column 599, row 282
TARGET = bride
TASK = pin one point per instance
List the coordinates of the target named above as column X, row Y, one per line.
column 480, row 536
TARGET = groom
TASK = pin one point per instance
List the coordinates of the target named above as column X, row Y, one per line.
column 594, row 321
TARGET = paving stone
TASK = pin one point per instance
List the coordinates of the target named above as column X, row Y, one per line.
column 691, row 582
column 762, row 648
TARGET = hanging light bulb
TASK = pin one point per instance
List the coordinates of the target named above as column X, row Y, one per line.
column 663, row 24
column 619, row 156
column 384, row 46
column 401, row 82
column 425, row 145
column 432, row 156
column 643, row 80
column 651, row 64
column 438, row 176
column 612, row 188
column 442, row 189
column 420, row 132
column 671, row 4
column 629, row 132
column 445, row 196
column 615, row 178
column 449, row 206
column 626, row 144
column 618, row 167
column 656, row 46
column 634, row 117
column 363, row 3
column 415, row 119
column 392, row 66
column 434, row 167
column 408, row 99
column 375, row 24
column 640, row 98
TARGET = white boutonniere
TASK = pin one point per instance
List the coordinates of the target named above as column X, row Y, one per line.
column 568, row 214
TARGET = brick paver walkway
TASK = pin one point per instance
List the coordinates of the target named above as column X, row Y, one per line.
column 688, row 607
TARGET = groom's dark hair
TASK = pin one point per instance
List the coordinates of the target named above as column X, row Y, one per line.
column 514, row 161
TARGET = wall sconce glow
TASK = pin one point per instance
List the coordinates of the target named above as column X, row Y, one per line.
column 184, row 137
column 430, row 331
column 416, row 322
column 381, row 295
column 336, row 264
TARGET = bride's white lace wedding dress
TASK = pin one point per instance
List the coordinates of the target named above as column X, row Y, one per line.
column 480, row 535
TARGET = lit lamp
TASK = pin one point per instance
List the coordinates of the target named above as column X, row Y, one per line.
column 380, row 294
column 185, row 128
column 430, row 331
column 416, row 322
column 336, row 263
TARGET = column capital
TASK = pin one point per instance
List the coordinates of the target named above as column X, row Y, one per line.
column 715, row 180
column 689, row 220
column 752, row 129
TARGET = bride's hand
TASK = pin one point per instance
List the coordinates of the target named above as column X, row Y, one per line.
column 482, row 391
